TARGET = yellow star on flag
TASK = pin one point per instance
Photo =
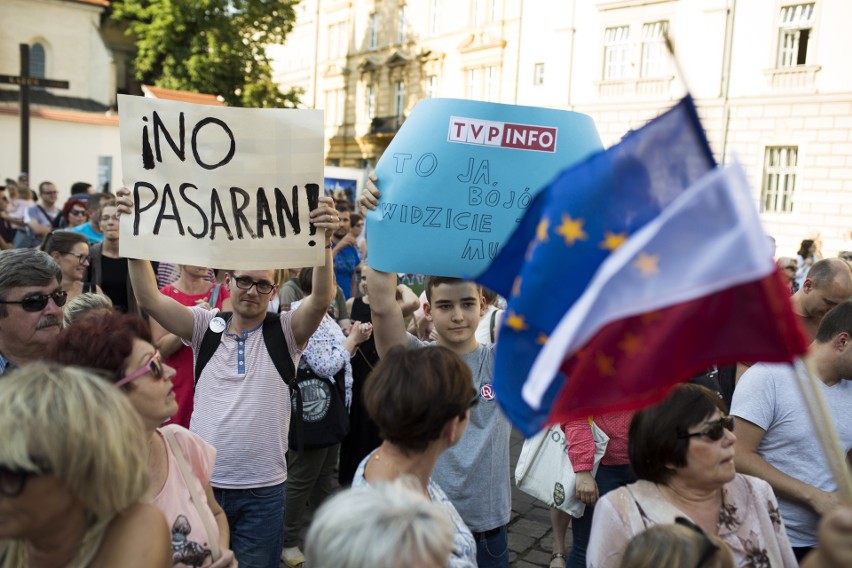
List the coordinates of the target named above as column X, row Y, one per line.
column 516, row 322
column 650, row 317
column 647, row 264
column 613, row 240
column 541, row 339
column 572, row 230
column 604, row 364
column 541, row 230
column 516, row 287
column 631, row 344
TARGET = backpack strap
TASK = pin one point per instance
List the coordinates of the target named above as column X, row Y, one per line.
column 276, row 346
column 209, row 344
column 491, row 326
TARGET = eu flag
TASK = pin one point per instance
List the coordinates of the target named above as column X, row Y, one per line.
column 571, row 227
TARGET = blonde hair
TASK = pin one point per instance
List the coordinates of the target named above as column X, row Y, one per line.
column 82, row 304
column 84, row 432
column 675, row 545
column 402, row 527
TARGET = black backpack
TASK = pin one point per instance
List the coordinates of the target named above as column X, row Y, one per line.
column 325, row 421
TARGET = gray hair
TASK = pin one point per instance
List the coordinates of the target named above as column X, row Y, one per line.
column 25, row 267
column 402, row 527
column 83, row 304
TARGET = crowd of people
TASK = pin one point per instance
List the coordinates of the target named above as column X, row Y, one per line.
column 160, row 415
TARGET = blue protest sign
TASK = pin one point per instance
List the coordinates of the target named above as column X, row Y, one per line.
column 458, row 176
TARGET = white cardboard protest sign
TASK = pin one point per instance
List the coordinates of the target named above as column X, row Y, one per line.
column 221, row 187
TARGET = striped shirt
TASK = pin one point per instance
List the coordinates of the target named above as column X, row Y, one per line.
column 242, row 406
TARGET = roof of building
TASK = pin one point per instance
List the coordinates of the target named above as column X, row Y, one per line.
column 103, row 3
column 181, row 96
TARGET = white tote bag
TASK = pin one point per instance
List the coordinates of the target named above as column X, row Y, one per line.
column 545, row 472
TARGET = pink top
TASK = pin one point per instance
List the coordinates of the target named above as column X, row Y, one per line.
column 581, row 444
column 190, row 541
column 181, row 360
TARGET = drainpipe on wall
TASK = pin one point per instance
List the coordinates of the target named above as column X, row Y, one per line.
column 518, row 60
column 573, row 31
column 725, row 87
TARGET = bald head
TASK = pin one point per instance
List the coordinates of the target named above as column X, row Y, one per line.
column 828, row 284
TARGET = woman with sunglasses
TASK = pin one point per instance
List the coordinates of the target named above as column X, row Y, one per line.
column 70, row 250
column 74, row 212
column 789, row 266
column 682, row 451
column 179, row 462
column 72, row 475
column 420, row 399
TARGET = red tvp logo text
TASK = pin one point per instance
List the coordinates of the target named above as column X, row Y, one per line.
column 502, row 134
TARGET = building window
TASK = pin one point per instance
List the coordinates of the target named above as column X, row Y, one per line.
column 401, row 33
column 435, row 21
column 432, row 86
column 399, row 100
column 336, row 40
column 492, row 85
column 370, row 102
column 335, row 101
column 616, row 52
column 483, row 11
column 473, row 84
column 795, row 32
column 374, row 31
column 779, row 179
column 37, row 61
column 654, row 49
column 538, row 74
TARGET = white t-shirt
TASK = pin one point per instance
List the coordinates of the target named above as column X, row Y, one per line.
column 767, row 395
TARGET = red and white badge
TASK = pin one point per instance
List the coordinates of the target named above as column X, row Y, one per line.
column 486, row 392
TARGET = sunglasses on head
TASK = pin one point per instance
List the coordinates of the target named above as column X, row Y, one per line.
column 715, row 431
column 709, row 546
column 38, row 302
column 153, row 366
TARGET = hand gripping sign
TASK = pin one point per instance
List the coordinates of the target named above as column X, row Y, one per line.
column 221, row 187
column 459, row 175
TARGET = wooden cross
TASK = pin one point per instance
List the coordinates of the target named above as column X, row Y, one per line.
column 24, row 81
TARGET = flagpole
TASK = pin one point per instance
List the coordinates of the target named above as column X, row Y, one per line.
column 670, row 46
column 826, row 433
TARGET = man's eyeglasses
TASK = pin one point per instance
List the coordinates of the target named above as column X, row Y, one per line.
column 153, row 366
column 709, row 547
column 38, row 302
column 245, row 283
column 715, row 431
column 83, row 258
column 13, row 480
column 791, row 267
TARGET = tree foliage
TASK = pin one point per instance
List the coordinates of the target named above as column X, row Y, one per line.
column 210, row 46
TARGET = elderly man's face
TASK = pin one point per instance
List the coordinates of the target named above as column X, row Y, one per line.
column 38, row 328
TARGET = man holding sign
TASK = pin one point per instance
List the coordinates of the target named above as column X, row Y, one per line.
column 242, row 405
column 237, row 189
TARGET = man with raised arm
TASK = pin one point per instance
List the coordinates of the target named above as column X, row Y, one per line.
column 475, row 472
column 242, row 405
